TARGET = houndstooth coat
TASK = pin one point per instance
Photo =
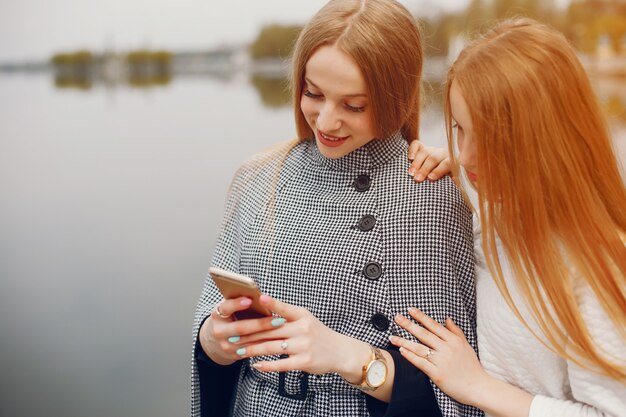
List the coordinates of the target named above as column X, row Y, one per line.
column 355, row 241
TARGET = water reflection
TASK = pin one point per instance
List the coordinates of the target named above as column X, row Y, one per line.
column 83, row 69
column 274, row 91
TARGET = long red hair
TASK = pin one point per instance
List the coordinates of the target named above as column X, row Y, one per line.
column 549, row 185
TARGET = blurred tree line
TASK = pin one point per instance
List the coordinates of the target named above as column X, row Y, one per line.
column 275, row 41
column 584, row 22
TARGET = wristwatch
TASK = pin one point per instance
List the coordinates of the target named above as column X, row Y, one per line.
column 374, row 372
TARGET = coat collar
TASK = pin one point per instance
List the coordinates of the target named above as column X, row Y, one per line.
column 371, row 155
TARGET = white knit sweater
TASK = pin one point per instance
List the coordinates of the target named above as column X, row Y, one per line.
column 510, row 352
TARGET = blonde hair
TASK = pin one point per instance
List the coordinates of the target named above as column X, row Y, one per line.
column 382, row 37
column 548, row 181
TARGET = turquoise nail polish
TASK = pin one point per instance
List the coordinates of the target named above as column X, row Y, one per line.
column 241, row 351
column 278, row 321
column 234, row 339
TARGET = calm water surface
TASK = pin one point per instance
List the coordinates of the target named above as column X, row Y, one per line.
column 110, row 201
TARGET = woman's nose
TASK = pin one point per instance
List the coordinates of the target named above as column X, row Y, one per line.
column 328, row 119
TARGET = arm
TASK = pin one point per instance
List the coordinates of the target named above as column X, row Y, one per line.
column 412, row 393
column 216, row 383
column 454, row 367
column 594, row 394
column 314, row 348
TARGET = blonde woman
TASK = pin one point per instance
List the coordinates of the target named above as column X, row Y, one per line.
column 550, row 252
column 330, row 227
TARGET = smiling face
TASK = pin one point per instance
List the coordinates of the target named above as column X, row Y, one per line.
column 462, row 123
column 335, row 103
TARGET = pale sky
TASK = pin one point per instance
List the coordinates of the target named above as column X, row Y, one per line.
column 36, row 29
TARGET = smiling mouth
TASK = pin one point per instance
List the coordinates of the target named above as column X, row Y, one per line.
column 330, row 140
column 330, row 137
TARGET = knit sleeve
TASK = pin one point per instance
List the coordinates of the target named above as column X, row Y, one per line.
column 594, row 394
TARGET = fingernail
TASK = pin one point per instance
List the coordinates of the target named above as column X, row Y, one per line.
column 393, row 339
column 432, row 177
column 234, row 339
column 419, row 177
column 411, row 171
column 413, row 311
column 241, row 351
column 257, row 365
column 246, row 302
column 278, row 321
column 399, row 318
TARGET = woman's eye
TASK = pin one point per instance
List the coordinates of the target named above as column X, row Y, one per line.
column 311, row 95
column 355, row 109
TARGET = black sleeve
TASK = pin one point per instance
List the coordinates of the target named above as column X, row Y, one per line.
column 217, row 384
column 412, row 394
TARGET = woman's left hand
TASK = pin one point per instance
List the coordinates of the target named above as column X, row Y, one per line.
column 444, row 355
column 312, row 347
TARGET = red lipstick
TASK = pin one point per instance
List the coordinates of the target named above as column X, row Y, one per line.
column 330, row 140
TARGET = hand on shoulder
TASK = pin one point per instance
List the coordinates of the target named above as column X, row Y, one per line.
column 428, row 162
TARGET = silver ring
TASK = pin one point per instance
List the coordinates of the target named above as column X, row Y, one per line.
column 284, row 345
column 429, row 354
column 219, row 313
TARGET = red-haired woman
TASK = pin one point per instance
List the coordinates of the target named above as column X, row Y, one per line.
column 550, row 248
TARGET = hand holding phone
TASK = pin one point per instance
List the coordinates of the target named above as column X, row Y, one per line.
column 233, row 285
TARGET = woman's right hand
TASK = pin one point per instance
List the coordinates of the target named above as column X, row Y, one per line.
column 221, row 332
column 428, row 162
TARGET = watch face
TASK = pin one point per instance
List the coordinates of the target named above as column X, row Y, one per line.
column 376, row 373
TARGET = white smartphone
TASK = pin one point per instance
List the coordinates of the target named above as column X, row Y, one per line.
column 233, row 285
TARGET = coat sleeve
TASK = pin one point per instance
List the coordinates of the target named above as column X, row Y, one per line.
column 412, row 394
column 216, row 383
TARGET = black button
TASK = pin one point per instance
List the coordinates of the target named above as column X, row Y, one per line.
column 380, row 322
column 367, row 223
column 362, row 183
column 373, row 270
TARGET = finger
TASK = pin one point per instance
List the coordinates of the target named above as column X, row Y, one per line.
column 272, row 347
column 279, row 365
column 432, row 160
column 416, row 165
column 423, row 335
column 417, row 348
column 256, row 328
column 444, row 168
column 425, row 366
column 281, row 332
column 288, row 311
column 455, row 329
column 430, row 324
column 231, row 305
column 414, row 148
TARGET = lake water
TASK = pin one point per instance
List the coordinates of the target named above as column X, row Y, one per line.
column 110, row 202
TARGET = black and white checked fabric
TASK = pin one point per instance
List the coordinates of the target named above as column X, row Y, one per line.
column 313, row 254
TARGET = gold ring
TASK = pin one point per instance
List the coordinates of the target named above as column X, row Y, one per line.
column 429, row 354
column 219, row 313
